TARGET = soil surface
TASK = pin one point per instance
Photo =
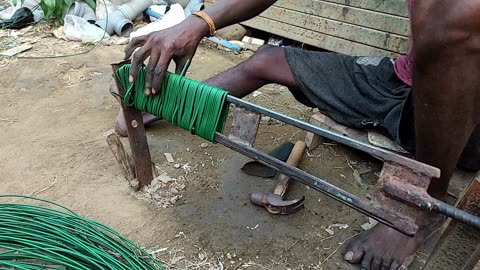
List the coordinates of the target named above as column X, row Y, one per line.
column 54, row 112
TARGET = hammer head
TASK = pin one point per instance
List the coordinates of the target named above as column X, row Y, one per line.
column 274, row 204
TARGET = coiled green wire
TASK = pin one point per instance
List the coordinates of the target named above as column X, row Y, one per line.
column 191, row 105
column 37, row 237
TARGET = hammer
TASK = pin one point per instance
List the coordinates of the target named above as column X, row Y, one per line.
column 274, row 202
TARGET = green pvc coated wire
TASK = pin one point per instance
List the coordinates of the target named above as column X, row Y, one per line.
column 191, row 105
column 39, row 237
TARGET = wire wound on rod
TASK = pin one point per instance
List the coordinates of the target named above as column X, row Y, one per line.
column 38, row 237
column 191, row 105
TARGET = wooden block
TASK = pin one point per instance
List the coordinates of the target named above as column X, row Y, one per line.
column 326, row 122
column 123, row 158
column 313, row 140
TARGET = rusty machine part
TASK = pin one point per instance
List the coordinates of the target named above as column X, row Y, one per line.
column 274, row 202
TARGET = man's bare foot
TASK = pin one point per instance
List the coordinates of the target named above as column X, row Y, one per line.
column 385, row 248
column 121, row 127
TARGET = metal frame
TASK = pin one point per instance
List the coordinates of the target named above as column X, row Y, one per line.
column 392, row 191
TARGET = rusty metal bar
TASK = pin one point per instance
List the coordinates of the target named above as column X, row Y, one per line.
column 367, row 148
column 136, row 136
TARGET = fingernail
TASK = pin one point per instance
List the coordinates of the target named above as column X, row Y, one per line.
column 348, row 256
column 154, row 91
column 130, row 78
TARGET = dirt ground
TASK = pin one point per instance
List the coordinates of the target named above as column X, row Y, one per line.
column 54, row 112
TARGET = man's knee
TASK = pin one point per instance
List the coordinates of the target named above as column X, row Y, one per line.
column 265, row 59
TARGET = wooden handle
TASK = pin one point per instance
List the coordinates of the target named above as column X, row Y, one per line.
column 293, row 160
column 296, row 154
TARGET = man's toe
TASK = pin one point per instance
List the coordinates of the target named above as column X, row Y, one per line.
column 376, row 263
column 353, row 256
column 353, row 252
column 394, row 266
column 386, row 263
column 367, row 261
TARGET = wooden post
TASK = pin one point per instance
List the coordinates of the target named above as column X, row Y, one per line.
column 136, row 136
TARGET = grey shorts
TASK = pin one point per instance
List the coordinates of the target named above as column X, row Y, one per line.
column 358, row 92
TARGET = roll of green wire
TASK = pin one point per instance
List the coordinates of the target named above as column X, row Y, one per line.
column 194, row 106
column 38, row 237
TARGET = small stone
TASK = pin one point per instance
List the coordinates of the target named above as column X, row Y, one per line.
column 154, row 182
column 134, row 183
column 174, row 199
column 229, row 256
column 204, row 145
column 164, row 178
column 174, row 191
column 329, row 231
column 177, row 166
column 169, row 158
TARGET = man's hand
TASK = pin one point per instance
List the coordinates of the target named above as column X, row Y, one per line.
column 179, row 43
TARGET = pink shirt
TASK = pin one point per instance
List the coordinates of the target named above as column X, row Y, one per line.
column 404, row 64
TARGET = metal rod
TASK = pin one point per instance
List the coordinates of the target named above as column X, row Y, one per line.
column 326, row 188
column 455, row 213
column 370, row 149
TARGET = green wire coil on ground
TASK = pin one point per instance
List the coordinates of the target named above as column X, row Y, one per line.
column 37, row 237
column 194, row 106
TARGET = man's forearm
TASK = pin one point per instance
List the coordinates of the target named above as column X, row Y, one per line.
column 228, row 12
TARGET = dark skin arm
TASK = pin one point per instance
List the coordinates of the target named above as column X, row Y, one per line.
column 181, row 41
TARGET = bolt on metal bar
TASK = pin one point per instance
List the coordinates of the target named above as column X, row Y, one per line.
column 370, row 149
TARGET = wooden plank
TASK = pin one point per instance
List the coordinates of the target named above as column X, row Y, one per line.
column 336, row 34
column 343, row 13
column 394, row 7
column 316, row 39
column 385, row 15
column 339, row 29
column 16, row 50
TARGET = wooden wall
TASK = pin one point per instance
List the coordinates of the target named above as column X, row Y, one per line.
column 354, row 27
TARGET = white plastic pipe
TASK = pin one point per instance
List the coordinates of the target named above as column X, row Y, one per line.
column 120, row 21
column 81, row 9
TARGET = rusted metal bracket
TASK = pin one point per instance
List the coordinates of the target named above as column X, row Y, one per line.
column 459, row 245
column 136, row 136
column 245, row 126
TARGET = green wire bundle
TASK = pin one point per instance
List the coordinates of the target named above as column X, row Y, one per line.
column 194, row 106
column 37, row 237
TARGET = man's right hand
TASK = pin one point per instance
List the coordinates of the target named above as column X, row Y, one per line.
column 179, row 43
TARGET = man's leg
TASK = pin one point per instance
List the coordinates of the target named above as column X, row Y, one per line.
column 267, row 65
column 447, row 98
